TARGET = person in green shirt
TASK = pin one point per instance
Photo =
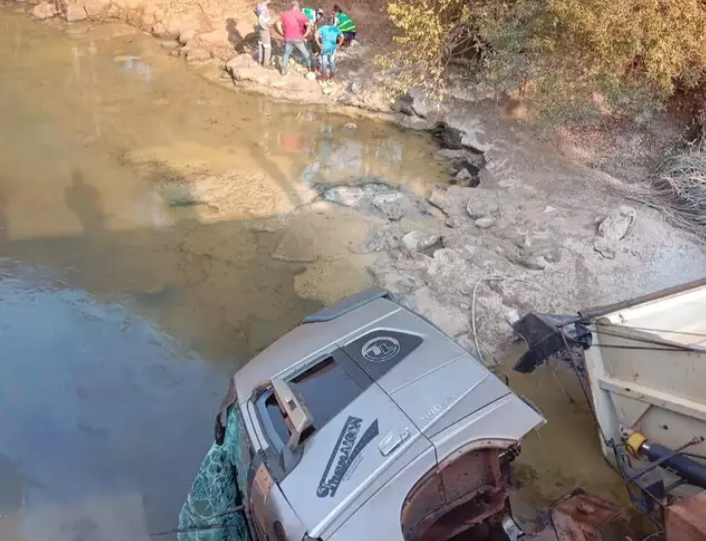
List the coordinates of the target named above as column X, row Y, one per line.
column 314, row 15
column 345, row 24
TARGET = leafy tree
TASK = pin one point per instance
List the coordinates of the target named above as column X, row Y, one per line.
column 569, row 58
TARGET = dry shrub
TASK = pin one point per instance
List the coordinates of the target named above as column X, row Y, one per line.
column 561, row 53
column 678, row 188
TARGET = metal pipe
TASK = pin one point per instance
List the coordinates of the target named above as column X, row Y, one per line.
column 685, row 467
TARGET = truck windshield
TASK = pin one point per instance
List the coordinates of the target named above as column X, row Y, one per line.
column 326, row 389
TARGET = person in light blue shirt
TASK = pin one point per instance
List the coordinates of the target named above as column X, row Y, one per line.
column 329, row 37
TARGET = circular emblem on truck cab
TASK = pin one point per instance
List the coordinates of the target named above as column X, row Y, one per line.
column 380, row 349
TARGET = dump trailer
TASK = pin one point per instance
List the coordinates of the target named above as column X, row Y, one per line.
column 642, row 364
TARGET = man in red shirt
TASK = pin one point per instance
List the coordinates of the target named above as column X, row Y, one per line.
column 294, row 26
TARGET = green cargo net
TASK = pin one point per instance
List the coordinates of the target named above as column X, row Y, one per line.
column 219, row 488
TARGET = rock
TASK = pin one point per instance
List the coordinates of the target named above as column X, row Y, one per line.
column 604, row 248
column 240, row 61
column 75, row 13
column 403, row 105
column 161, row 31
column 43, row 11
column 445, row 201
column 348, row 196
column 418, row 241
column 454, row 221
column 481, row 203
column 310, row 76
column 463, row 177
column 197, row 55
column 471, row 161
column 352, row 126
column 185, row 36
column 485, row 222
column 355, row 87
column 421, row 105
column 376, row 199
column 534, row 262
column 616, row 225
column 452, row 202
column 390, row 205
column 446, row 269
column 256, row 74
column 383, row 239
column 448, row 137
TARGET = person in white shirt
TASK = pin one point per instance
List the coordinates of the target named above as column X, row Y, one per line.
column 264, row 41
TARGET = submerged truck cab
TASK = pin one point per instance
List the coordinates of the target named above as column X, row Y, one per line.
column 367, row 422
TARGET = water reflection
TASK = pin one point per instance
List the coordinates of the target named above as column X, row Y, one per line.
column 97, row 409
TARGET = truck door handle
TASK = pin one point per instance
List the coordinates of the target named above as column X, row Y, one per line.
column 393, row 440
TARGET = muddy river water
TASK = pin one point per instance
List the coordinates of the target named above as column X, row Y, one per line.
column 141, row 261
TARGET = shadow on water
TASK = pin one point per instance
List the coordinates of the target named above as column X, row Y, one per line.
column 107, row 414
column 84, row 200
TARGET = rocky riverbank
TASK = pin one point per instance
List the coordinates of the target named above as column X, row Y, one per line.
column 521, row 228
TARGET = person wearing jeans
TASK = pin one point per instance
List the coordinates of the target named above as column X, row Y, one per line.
column 299, row 45
column 294, row 26
column 328, row 37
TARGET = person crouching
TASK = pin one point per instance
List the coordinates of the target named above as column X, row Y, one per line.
column 346, row 24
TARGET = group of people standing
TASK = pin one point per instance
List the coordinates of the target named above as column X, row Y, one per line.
column 298, row 26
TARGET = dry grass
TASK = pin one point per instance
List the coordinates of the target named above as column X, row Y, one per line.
column 678, row 188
